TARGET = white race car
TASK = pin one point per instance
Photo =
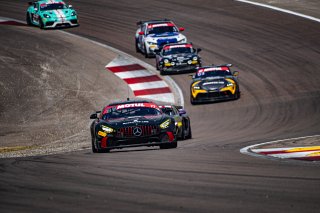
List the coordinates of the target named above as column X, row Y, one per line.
column 152, row 35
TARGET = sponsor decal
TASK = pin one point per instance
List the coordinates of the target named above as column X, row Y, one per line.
column 213, row 69
column 160, row 25
column 147, row 105
column 213, row 82
column 177, row 46
column 103, row 134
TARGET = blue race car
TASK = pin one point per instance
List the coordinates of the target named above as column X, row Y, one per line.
column 152, row 35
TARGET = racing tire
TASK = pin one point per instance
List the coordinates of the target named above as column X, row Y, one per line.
column 28, row 20
column 192, row 100
column 137, row 48
column 97, row 150
column 146, row 53
column 94, row 149
column 237, row 95
column 183, row 134
column 41, row 24
column 189, row 133
column 162, row 72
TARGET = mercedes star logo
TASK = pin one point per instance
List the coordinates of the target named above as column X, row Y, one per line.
column 137, row 131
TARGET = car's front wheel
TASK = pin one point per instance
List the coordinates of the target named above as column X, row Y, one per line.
column 94, row 149
column 28, row 19
column 146, row 55
column 137, row 48
column 41, row 23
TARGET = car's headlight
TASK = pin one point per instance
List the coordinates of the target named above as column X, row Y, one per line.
column 107, row 129
column 195, row 58
column 46, row 16
column 151, row 43
column 166, row 61
column 165, row 124
column 229, row 84
column 73, row 13
column 196, row 86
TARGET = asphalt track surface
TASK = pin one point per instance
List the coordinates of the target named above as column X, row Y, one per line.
column 278, row 59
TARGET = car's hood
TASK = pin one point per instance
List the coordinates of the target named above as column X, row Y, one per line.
column 215, row 83
column 135, row 121
column 168, row 34
column 58, row 13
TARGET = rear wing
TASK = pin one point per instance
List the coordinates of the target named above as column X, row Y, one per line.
column 153, row 21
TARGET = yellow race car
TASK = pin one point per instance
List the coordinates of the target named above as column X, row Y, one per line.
column 214, row 83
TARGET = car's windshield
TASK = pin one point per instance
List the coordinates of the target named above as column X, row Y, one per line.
column 168, row 111
column 54, row 6
column 162, row 29
column 114, row 113
column 205, row 74
column 177, row 50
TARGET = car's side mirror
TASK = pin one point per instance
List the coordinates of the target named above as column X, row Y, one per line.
column 235, row 73
column 199, row 50
column 141, row 33
column 182, row 112
column 93, row 116
column 181, row 29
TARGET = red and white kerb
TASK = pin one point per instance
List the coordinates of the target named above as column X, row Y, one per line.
column 141, row 81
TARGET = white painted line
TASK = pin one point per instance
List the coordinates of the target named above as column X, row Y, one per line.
column 133, row 74
column 148, row 85
column 281, row 10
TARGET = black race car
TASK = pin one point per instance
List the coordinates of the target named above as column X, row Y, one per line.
column 131, row 124
column 214, row 83
column 177, row 58
column 182, row 120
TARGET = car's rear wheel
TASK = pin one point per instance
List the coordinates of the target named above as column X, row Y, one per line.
column 183, row 131
column 28, row 19
column 189, row 136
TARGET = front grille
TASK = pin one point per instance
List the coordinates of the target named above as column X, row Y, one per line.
column 214, row 95
column 49, row 23
column 129, row 132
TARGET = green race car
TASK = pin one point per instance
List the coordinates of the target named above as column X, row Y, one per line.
column 51, row 14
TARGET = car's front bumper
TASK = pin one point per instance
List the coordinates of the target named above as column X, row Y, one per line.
column 209, row 96
column 113, row 142
column 181, row 68
column 61, row 23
